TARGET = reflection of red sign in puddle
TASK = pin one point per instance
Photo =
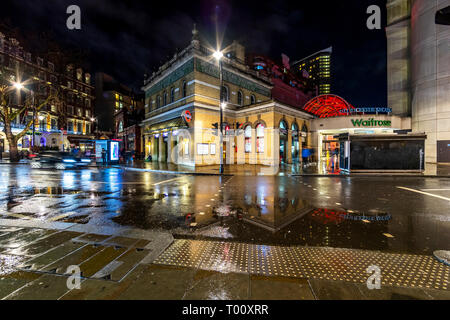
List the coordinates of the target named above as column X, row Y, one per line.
column 326, row 216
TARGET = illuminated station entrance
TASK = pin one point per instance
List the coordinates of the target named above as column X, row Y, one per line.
column 349, row 138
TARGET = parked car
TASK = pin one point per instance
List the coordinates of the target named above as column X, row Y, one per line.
column 58, row 160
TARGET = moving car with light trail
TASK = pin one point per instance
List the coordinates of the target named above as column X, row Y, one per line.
column 58, row 160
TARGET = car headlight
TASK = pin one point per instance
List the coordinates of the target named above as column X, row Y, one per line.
column 85, row 160
column 69, row 160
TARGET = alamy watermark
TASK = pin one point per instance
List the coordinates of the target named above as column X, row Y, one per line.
column 374, row 20
column 374, row 280
column 73, row 22
column 74, row 280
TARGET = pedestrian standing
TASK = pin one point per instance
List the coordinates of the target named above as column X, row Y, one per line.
column 104, row 156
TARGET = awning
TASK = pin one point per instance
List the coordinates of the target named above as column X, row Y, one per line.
column 176, row 123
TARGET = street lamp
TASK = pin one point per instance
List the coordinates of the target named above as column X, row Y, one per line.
column 18, row 85
column 218, row 55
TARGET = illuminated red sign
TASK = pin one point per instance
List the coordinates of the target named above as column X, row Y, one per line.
column 329, row 105
column 187, row 115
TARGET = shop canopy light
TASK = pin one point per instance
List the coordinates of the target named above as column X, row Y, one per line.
column 329, row 105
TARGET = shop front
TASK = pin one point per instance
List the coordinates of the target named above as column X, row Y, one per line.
column 328, row 132
column 382, row 153
column 163, row 139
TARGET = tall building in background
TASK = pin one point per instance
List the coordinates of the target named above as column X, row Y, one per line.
column 316, row 67
column 111, row 97
column 119, row 110
column 419, row 71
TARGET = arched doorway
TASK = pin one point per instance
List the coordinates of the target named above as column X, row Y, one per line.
column 295, row 145
column 283, row 141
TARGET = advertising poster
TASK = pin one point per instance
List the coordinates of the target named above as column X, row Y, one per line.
column 114, row 151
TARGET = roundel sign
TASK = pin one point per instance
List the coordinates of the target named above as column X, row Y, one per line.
column 186, row 115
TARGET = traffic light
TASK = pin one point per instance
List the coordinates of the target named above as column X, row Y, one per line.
column 215, row 125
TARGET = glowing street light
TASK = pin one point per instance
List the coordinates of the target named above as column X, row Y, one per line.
column 18, row 85
column 218, row 55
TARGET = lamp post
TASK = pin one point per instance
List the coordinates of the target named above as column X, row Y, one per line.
column 34, row 118
column 218, row 55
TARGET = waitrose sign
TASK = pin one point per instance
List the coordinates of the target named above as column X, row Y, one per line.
column 371, row 123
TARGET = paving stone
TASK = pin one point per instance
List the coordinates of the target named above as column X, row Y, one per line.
column 279, row 288
column 13, row 281
column 46, row 287
column 99, row 260
column 160, row 283
column 210, row 285
column 127, row 262
column 92, row 238
column 75, row 258
column 92, row 289
column 51, row 256
column 23, row 237
column 46, row 243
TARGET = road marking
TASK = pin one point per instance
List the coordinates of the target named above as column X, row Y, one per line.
column 61, row 216
column 425, row 193
column 165, row 181
column 17, row 215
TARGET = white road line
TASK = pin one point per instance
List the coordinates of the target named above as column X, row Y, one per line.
column 17, row 215
column 425, row 193
column 165, row 181
column 61, row 216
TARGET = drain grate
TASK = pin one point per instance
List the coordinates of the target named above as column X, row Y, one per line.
column 350, row 265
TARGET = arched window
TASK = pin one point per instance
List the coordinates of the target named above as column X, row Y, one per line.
column 304, row 128
column 248, row 139
column 260, row 138
column 283, row 125
column 225, row 94
column 184, row 89
column 158, row 101
column 240, row 98
column 165, row 98
column 120, row 129
column 252, row 99
column 295, row 146
column 172, row 95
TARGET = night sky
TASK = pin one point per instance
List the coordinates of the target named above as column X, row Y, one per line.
column 128, row 38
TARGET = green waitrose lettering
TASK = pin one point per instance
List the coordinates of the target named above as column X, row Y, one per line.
column 371, row 123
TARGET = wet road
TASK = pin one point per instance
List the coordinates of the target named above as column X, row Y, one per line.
column 407, row 215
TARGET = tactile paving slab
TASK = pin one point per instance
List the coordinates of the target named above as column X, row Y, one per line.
column 404, row 270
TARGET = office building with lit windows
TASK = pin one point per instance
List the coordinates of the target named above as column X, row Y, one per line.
column 58, row 125
column 110, row 98
column 316, row 68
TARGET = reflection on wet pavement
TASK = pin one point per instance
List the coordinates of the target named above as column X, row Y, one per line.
column 361, row 213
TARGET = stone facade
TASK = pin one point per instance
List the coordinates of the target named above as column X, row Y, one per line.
column 419, row 71
column 190, row 82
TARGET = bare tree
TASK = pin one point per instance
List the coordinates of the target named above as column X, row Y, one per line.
column 11, row 111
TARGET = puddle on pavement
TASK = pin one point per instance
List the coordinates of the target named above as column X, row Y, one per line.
column 299, row 225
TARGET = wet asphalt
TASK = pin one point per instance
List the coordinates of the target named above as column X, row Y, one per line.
column 392, row 214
